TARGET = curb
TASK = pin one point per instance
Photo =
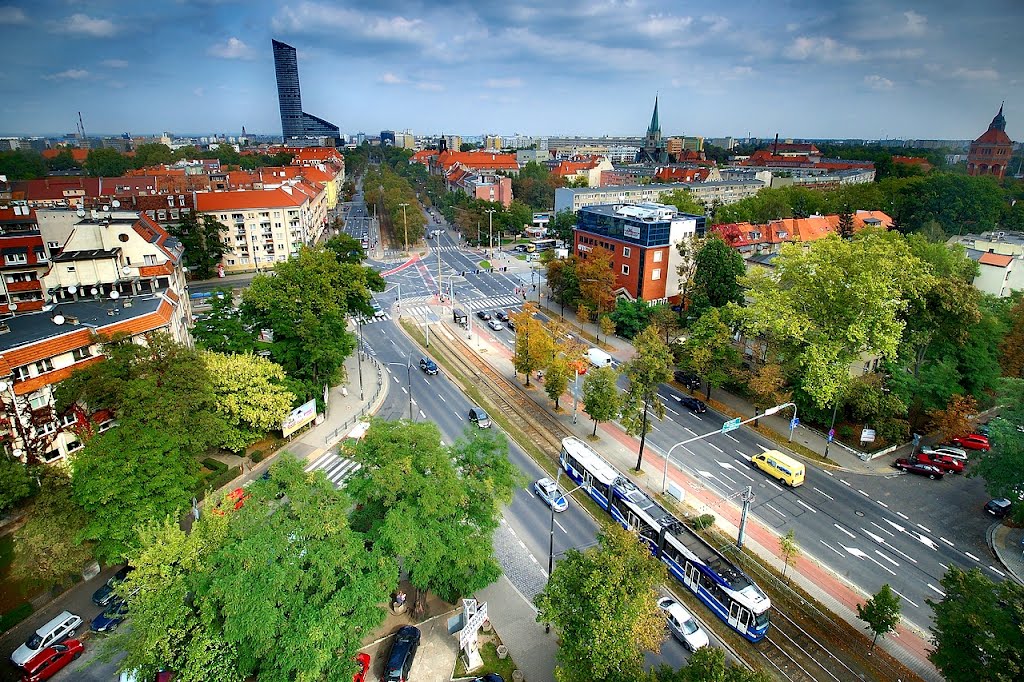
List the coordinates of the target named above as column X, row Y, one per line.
column 990, row 535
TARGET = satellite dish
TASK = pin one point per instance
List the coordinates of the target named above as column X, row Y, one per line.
column 58, row 319
column 80, row 212
column 115, row 295
column 106, row 208
column 126, row 270
column 12, row 306
column 94, row 291
column 72, row 289
column 115, row 203
column 4, row 385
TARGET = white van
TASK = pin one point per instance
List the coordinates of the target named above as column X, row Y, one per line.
column 58, row 629
column 598, row 358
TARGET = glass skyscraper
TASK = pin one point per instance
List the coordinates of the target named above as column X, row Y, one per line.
column 295, row 123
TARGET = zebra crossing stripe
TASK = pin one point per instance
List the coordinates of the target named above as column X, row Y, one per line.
column 324, row 457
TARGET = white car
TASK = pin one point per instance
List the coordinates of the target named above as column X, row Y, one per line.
column 495, row 325
column 683, row 625
column 953, row 451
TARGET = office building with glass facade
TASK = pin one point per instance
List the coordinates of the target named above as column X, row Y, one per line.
column 295, row 123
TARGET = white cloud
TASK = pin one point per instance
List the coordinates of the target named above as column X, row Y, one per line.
column 69, row 74
column 876, row 82
column 738, row 72
column 232, row 49
column 806, row 48
column 115, row 63
column 12, row 15
column 715, row 24
column 917, row 24
column 86, row 25
column 390, row 79
column 306, row 17
column 659, row 25
column 503, row 83
column 430, row 87
column 975, row 74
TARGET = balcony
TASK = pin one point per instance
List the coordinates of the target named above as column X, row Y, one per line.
column 31, row 285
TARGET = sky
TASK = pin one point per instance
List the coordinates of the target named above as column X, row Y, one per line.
column 803, row 69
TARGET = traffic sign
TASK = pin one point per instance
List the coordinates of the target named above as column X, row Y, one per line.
column 731, row 425
column 831, row 435
column 793, row 423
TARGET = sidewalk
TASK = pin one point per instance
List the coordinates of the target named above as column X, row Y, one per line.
column 1008, row 545
column 620, row 449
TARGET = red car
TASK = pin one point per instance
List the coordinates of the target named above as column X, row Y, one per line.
column 973, row 441
column 919, row 468
column 948, row 464
column 364, row 667
column 47, row 662
column 236, row 499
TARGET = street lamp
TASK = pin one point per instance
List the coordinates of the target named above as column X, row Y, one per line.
column 408, row 367
column 490, row 231
column 551, row 534
column 359, row 357
column 406, row 224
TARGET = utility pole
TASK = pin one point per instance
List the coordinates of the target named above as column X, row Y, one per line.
column 748, row 497
column 405, row 222
column 359, row 358
column 408, row 367
column 490, row 231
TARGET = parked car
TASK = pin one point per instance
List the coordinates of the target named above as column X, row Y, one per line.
column 511, row 324
column 918, row 468
column 973, row 441
column 233, row 501
column 109, row 618
column 54, row 631
column 950, row 465
column 501, row 315
column 495, row 325
column 50, row 660
column 999, row 507
column 683, row 625
column 403, row 652
column 364, row 667
column 479, row 417
column 951, row 450
column 490, row 677
column 105, row 593
column 687, row 379
column 483, row 315
column 428, row 366
column 548, row 491
column 692, row 404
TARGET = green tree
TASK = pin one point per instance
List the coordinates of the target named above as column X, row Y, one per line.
column 881, row 613
column 563, row 281
column 64, row 161
column 647, row 371
column 707, row 664
column 15, row 482
column 556, row 377
column 201, row 237
column 1011, row 349
column 47, row 547
column 831, row 303
column 434, row 507
column 789, row 549
column 604, row 636
column 687, row 269
column 533, row 343
column 956, row 419
column 561, row 226
column 21, row 164
column 126, row 477
column 601, row 399
column 708, row 350
column 977, row 628
column 631, row 317
column 684, row 202
column 716, row 275
column 246, row 593
column 249, row 395
column 1003, row 466
column 596, row 277
column 223, row 329
column 106, row 163
column 845, row 225
column 153, row 154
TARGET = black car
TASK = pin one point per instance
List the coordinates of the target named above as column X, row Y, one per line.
column 692, row 404
column 998, row 508
column 687, row 379
column 490, row 677
column 105, row 594
column 403, row 651
column 428, row 366
column 483, row 315
column 501, row 316
column 918, row 468
column 511, row 324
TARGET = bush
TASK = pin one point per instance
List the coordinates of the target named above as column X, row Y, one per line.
column 257, row 456
column 703, row 521
column 221, row 480
column 15, row 616
column 214, row 465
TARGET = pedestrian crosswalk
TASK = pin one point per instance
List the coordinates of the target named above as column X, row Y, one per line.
column 336, row 468
column 490, row 302
column 446, row 249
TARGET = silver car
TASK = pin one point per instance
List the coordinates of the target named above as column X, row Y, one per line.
column 683, row 625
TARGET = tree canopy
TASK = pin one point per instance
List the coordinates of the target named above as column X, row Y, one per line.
column 201, row 237
column 717, row 271
column 601, row 398
column 647, row 371
column 249, row 395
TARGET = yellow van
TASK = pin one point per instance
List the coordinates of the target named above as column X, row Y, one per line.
column 777, row 465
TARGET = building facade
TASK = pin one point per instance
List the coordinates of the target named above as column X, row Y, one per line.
column 25, row 260
column 991, row 153
column 725, row 192
column 642, row 240
column 295, row 123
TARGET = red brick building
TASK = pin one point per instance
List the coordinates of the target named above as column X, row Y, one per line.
column 991, row 153
column 24, row 260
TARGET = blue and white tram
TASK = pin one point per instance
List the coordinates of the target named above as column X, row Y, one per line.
column 702, row 569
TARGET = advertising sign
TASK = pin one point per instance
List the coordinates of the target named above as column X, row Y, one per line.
column 631, row 231
column 299, row 417
column 867, row 436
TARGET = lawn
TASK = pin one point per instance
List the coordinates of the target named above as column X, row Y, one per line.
column 492, row 664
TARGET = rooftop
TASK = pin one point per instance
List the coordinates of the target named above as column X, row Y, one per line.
column 31, row 328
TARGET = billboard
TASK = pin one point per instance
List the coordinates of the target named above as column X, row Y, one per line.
column 299, row 417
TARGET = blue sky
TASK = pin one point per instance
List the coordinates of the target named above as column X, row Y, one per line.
column 870, row 68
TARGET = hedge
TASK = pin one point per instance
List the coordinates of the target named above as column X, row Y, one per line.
column 257, row 456
column 221, row 480
column 214, row 465
column 15, row 616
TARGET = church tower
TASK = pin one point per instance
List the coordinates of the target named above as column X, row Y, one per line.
column 654, row 150
column 991, row 153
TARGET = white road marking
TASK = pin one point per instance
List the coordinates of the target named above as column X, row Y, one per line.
column 973, row 557
column 936, row 590
column 903, row 516
column 946, row 541
column 442, row 398
column 779, row 488
column 422, row 416
column 831, row 547
column 404, row 390
column 879, row 553
column 996, row 570
column 863, row 493
column 460, row 416
column 905, row 599
column 560, row 527
column 763, row 448
column 882, row 503
column 884, row 530
column 823, row 493
column 944, row 566
column 690, row 430
column 846, row 483
column 717, row 448
column 775, row 510
column 669, row 409
column 807, row 506
column 745, row 456
column 845, row 531
column 388, row 370
column 923, row 528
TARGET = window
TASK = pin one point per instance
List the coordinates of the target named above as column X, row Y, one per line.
column 53, row 246
column 38, row 401
column 44, row 366
column 657, row 256
column 626, row 252
column 74, row 446
column 149, row 259
column 46, row 429
column 656, row 273
column 71, row 268
column 15, row 258
column 625, row 269
column 81, row 353
column 69, row 419
column 21, row 373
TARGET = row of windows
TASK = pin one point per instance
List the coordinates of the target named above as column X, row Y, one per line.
column 43, row 366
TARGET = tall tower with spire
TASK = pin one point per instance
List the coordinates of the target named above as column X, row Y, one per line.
column 654, row 150
column 991, row 153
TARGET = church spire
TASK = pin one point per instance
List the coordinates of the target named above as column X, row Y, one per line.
column 999, row 123
column 655, row 127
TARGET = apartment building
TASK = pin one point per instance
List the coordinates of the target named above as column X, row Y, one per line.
column 724, row 192
column 25, row 260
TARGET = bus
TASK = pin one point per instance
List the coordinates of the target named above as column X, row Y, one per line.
column 701, row 568
column 540, row 245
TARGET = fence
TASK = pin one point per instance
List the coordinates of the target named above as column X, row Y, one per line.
column 335, row 435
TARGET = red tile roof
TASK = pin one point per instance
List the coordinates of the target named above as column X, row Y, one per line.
column 79, row 155
column 478, row 160
column 47, row 348
column 54, row 377
column 248, row 199
column 997, row 259
column 669, row 174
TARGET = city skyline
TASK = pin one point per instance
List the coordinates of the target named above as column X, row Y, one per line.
column 870, row 70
